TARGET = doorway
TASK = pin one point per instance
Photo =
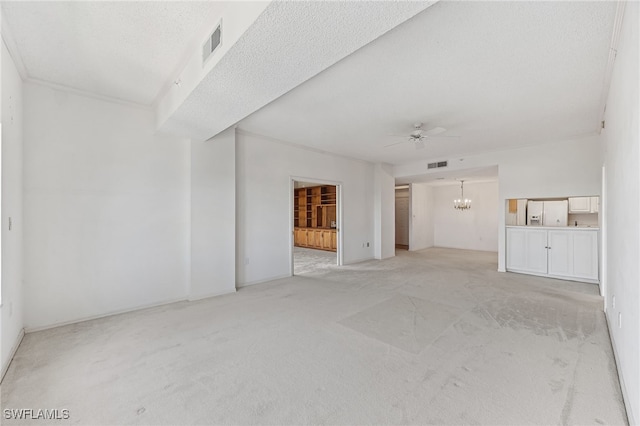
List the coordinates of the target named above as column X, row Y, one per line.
column 316, row 216
column 402, row 212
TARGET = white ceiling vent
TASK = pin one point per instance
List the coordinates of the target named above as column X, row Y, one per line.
column 437, row 165
column 211, row 43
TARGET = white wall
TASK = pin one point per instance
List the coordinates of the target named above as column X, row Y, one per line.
column 556, row 169
column 474, row 229
column 384, row 211
column 264, row 170
column 213, row 216
column 422, row 216
column 106, row 209
column 11, row 316
column 621, row 140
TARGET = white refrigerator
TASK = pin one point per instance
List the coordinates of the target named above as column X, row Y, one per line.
column 548, row 213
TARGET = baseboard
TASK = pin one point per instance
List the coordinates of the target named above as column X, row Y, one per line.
column 631, row 419
column 364, row 259
column 14, row 349
column 208, row 295
column 250, row 283
column 555, row 277
column 107, row 314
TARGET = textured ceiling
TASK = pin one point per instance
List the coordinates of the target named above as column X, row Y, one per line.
column 122, row 50
column 289, row 43
column 449, row 177
column 497, row 74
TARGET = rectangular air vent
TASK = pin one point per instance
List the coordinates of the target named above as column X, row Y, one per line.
column 211, row 43
column 437, row 165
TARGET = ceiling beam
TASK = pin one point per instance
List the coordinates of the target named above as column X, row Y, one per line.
column 288, row 43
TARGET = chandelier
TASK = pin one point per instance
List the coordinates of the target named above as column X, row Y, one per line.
column 462, row 203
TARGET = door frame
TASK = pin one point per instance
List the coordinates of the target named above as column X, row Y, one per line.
column 339, row 215
column 602, row 240
column 409, row 189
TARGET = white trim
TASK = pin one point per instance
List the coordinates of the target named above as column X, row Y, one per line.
column 14, row 349
column 210, row 295
column 108, row 314
column 86, row 94
column 410, row 218
column 262, row 281
column 9, row 42
column 631, row 419
column 602, row 217
column 363, row 259
column 555, row 277
column 339, row 231
column 12, row 47
column 292, row 223
column 613, row 51
column 315, row 180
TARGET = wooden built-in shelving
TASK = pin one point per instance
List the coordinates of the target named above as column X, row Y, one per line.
column 314, row 213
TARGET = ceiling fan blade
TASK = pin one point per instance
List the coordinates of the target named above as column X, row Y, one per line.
column 434, row 131
column 419, row 144
column 438, row 137
column 394, row 144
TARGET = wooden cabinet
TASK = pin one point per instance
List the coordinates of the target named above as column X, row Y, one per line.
column 300, row 236
column 322, row 239
column 570, row 254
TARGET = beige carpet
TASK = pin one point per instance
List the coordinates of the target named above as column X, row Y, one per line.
column 433, row 337
column 310, row 261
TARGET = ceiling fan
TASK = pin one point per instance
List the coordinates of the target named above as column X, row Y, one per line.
column 419, row 136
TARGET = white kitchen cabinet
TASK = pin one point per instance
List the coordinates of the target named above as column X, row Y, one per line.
column 580, row 205
column 570, row 254
column 560, row 253
column 595, row 204
column 585, row 255
column 526, row 250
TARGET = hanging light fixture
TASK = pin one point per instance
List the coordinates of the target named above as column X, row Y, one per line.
column 462, row 203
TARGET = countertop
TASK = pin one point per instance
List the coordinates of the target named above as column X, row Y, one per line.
column 577, row 228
